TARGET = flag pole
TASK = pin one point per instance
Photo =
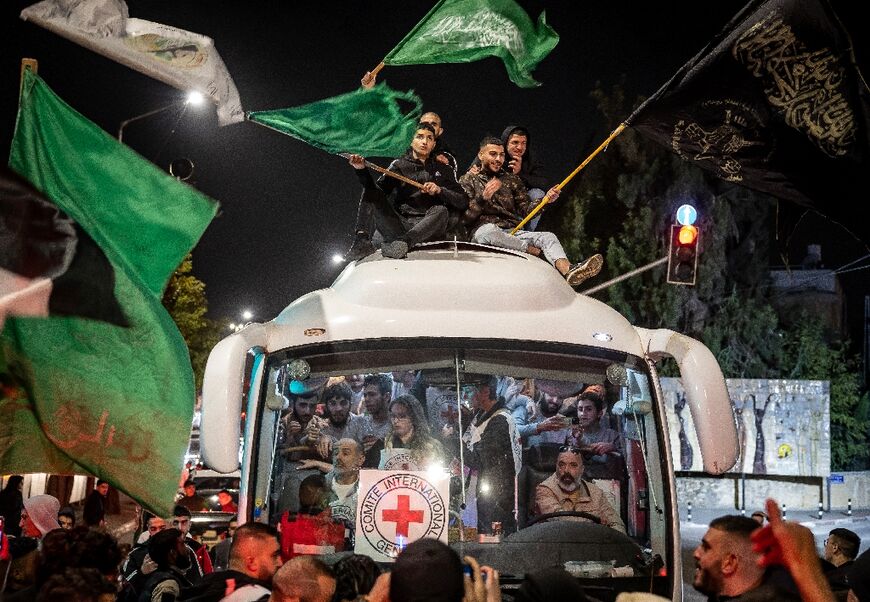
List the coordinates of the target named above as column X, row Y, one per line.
column 386, row 172
column 27, row 64
column 564, row 182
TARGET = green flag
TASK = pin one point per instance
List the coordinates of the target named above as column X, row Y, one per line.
column 462, row 31
column 370, row 123
column 95, row 397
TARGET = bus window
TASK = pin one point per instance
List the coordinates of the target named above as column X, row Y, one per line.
column 554, row 451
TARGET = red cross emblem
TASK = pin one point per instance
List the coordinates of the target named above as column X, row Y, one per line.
column 402, row 515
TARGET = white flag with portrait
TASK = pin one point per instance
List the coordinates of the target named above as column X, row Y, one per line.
column 183, row 59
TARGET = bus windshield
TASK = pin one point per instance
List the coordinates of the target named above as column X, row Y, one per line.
column 542, row 454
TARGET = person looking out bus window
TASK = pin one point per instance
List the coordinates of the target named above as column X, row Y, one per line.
column 493, row 450
column 408, row 445
column 592, row 437
column 341, row 422
column 377, row 392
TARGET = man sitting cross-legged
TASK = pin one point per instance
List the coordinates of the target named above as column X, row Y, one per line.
column 498, row 202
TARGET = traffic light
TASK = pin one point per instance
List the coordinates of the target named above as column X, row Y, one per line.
column 683, row 254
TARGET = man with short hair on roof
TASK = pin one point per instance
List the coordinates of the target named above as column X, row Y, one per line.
column 498, row 202
column 566, row 491
column 406, row 214
column 726, row 567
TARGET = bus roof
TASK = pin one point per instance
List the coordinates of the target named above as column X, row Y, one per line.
column 452, row 290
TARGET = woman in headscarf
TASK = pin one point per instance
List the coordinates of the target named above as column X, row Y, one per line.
column 408, row 445
column 37, row 519
column 11, row 504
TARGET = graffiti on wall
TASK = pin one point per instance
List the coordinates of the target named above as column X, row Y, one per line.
column 783, row 426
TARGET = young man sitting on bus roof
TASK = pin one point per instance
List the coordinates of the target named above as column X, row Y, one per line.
column 405, row 214
column 498, row 202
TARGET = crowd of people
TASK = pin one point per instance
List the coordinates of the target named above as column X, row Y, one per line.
column 430, row 201
column 331, row 429
column 738, row 559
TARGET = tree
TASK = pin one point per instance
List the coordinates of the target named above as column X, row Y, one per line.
column 185, row 300
column 623, row 205
column 808, row 356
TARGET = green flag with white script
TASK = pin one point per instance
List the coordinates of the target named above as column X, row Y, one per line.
column 463, row 31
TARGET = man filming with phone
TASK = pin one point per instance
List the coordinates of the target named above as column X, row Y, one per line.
column 541, row 423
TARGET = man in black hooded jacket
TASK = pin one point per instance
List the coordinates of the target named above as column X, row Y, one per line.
column 517, row 146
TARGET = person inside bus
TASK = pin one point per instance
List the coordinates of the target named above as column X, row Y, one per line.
column 340, row 422
column 377, row 392
column 342, row 479
column 409, row 444
column 599, row 441
column 294, row 446
column 566, row 490
column 543, row 424
column 405, row 214
column 493, row 450
column 312, row 530
column 498, row 202
column 356, row 382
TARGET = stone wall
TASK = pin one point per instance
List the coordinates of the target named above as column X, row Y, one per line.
column 726, row 492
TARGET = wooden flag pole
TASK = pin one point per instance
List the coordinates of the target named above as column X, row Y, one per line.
column 386, row 172
column 26, row 64
column 564, row 182
column 368, row 80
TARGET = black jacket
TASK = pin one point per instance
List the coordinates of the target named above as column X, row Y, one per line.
column 531, row 172
column 409, row 201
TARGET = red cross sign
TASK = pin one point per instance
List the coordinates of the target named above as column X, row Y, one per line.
column 402, row 515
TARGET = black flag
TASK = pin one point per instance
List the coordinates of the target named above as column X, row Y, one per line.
column 39, row 241
column 776, row 103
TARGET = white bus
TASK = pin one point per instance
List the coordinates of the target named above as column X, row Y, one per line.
column 451, row 312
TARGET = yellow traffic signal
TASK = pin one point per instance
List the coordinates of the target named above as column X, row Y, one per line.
column 683, row 255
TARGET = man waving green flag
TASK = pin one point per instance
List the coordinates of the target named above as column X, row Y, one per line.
column 463, row 31
column 89, row 395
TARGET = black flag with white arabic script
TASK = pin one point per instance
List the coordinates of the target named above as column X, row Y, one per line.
column 775, row 103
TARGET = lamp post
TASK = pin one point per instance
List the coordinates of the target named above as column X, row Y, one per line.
column 193, row 98
column 247, row 316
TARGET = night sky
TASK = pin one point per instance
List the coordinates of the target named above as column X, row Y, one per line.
column 287, row 207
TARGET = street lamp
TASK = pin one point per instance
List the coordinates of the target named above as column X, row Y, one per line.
column 193, row 97
column 336, row 259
